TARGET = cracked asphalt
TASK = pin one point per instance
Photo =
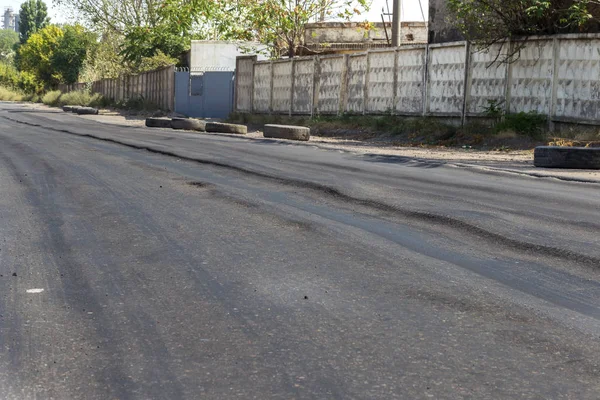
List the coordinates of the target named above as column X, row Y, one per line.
column 144, row 263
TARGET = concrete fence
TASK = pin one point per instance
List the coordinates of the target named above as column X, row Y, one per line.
column 557, row 76
column 156, row 87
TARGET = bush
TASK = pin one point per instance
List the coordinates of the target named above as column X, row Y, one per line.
column 9, row 95
column 28, row 83
column 32, row 97
column 75, row 98
column 56, row 98
column 97, row 100
column 52, row 98
column 530, row 124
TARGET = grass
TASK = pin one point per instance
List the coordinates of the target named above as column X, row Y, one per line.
column 56, row 98
column 404, row 131
column 520, row 131
column 136, row 104
column 52, row 98
column 10, row 95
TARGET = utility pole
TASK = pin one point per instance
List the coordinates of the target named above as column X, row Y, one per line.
column 396, row 24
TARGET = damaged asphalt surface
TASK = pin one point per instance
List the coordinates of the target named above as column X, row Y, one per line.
column 153, row 264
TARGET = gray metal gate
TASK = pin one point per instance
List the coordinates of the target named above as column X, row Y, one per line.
column 204, row 94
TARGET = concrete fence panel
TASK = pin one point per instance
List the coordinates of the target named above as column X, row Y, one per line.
column 446, row 79
column 410, row 80
column 380, row 81
column 262, row 87
column 577, row 87
column 282, row 87
column 487, row 78
column 243, row 80
column 304, row 73
column 556, row 75
column 356, row 79
column 331, row 84
column 531, row 83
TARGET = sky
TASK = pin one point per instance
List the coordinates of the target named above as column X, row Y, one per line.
column 410, row 10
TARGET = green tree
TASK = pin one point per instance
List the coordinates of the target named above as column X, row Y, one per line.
column 8, row 39
column 37, row 53
column 73, row 47
column 279, row 24
column 33, row 16
column 488, row 22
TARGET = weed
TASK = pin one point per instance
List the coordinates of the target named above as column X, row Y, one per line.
column 137, row 104
column 52, row 98
column 530, row 124
column 75, row 98
column 9, row 95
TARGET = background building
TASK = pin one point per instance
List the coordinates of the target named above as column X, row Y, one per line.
column 10, row 20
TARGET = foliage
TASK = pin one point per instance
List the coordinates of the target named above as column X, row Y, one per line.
column 170, row 33
column 7, row 94
column 11, row 78
column 487, row 22
column 54, row 55
column 72, row 49
column 114, row 16
column 77, row 97
column 279, row 24
column 106, row 61
column 8, row 39
column 51, row 98
column 33, row 16
column 160, row 60
column 29, row 83
column 36, row 54
column 530, row 124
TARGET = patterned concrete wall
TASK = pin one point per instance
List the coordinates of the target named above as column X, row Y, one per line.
column 380, row 88
column 282, row 86
column 488, row 78
column 243, row 76
column 262, row 87
column 409, row 93
column 356, row 83
column 446, row 79
column 303, row 85
column 557, row 76
column 578, row 84
column 330, row 84
column 531, row 84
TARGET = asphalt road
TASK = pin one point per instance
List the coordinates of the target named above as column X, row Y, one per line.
column 185, row 266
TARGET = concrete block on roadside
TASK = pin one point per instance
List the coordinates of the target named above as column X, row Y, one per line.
column 87, row 111
column 289, row 132
column 221, row 127
column 158, row 122
column 189, row 124
column 567, row 157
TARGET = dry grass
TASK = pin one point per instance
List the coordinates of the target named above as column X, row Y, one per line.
column 10, row 95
